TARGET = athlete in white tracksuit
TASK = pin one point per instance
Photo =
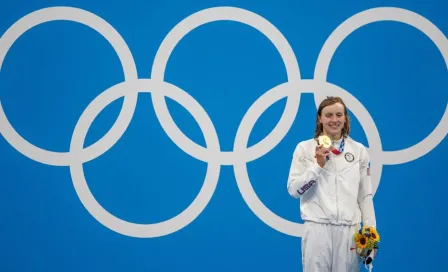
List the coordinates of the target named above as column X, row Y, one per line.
column 335, row 192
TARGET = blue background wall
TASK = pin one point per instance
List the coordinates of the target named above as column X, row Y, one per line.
column 53, row 71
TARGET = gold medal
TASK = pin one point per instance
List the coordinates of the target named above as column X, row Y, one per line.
column 325, row 141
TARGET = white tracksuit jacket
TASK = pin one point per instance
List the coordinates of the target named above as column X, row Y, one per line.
column 341, row 192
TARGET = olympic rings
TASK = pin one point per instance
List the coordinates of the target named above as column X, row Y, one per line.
column 212, row 154
column 204, row 17
column 386, row 14
column 77, row 172
column 130, row 71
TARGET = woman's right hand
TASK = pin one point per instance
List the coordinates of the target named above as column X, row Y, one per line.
column 321, row 154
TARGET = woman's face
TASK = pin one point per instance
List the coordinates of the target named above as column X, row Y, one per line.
column 333, row 120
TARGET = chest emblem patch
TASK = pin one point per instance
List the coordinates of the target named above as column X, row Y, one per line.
column 349, row 157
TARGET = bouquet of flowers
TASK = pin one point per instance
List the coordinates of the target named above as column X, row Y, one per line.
column 366, row 240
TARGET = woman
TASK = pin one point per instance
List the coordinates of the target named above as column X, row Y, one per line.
column 332, row 180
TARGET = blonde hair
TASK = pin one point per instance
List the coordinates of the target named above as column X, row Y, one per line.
column 331, row 100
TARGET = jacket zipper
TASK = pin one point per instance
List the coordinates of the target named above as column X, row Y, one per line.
column 336, row 189
column 337, row 198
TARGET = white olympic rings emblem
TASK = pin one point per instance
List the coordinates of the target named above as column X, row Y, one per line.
column 215, row 158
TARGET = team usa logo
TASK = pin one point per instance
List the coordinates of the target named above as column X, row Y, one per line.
column 306, row 187
column 349, row 157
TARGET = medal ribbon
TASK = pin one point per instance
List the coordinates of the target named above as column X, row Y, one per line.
column 339, row 150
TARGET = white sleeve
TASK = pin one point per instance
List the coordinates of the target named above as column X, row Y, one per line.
column 368, row 211
column 303, row 173
column 365, row 195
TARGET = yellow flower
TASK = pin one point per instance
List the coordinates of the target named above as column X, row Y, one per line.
column 361, row 241
column 374, row 235
column 370, row 233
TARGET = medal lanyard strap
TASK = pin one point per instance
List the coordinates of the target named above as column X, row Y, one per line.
column 339, row 150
